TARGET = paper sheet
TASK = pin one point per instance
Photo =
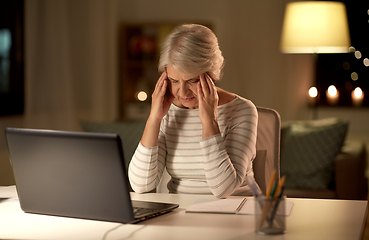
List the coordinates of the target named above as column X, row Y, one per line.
column 231, row 205
column 249, row 207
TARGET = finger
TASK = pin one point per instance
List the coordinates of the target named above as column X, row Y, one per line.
column 200, row 93
column 162, row 77
column 204, row 85
column 210, row 83
column 163, row 87
column 163, row 83
column 160, row 84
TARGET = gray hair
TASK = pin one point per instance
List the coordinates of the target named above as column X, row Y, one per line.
column 192, row 49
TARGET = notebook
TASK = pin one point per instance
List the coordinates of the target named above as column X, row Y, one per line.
column 75, row 174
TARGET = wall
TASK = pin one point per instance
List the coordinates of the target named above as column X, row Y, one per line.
column 248, row 33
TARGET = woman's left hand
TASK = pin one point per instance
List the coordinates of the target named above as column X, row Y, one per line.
column 208, row 102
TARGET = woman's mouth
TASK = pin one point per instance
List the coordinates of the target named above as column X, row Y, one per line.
column 187, row 99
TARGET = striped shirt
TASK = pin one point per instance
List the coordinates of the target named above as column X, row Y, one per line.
column 216, row 165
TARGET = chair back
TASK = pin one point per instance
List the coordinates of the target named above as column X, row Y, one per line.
column 267, row 147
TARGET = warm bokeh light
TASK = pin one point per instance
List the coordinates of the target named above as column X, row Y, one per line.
column 142, row 96
column 332, row 95
column 346, row 65
column 358, row 54
column 357, row 96
column 366, row 62
column 313, row 92
column 358, row 92
column 332, row 91
column 354, row 76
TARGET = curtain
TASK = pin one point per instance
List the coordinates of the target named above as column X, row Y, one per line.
column 71, row 63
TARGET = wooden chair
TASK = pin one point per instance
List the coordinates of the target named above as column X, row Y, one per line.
column 267, row 147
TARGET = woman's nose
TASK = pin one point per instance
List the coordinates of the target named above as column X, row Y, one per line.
column 183, row 89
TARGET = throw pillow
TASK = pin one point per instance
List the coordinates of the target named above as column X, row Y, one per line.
column 308, row 150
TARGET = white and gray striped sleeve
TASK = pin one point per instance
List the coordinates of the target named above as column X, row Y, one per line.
column 147, row 165
column 227, row 158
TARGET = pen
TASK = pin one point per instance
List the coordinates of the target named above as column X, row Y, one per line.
column 267, row 204
column 241, row 205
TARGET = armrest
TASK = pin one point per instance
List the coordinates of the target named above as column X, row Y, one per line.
column 350, row 165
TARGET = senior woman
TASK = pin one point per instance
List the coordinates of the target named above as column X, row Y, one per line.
column 203, row 135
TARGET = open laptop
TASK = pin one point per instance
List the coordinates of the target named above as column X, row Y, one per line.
column 75, row 174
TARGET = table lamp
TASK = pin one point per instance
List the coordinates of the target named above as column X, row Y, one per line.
column 315, row 27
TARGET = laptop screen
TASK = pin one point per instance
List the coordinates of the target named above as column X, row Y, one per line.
column 73, row 174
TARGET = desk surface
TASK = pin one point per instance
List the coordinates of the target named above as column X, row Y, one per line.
column 309, row 219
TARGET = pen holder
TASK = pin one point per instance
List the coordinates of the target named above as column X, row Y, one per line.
column 270, row 215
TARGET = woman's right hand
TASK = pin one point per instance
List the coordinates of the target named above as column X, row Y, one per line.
column 159, row 104
column 159, row 107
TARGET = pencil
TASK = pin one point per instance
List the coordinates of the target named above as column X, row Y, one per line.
column 277, row 194
column 270, row 186
column 274, row 211
column 279, row 187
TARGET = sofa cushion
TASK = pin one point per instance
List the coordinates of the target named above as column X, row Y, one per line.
column 308, row 150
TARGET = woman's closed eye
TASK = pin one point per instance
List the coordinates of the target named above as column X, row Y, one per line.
column 193, row 81
column 190, row 81
column 173, row 81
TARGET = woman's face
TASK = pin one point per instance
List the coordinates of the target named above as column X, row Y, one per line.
column 183, row 87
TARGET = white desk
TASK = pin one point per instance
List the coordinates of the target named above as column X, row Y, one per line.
column 309, row 219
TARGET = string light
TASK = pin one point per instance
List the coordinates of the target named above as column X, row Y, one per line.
column 357, row 94
column 354, row 76
column 366, row 62
column 358, row 54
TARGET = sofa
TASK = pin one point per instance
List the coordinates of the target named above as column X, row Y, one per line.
column 349, row 176
column 320, row 162
column 343, row 173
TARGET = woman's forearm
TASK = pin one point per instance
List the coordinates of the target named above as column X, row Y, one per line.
column 210, row 129
column 151, row 133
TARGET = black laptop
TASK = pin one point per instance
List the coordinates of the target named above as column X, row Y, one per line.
column 75, row 174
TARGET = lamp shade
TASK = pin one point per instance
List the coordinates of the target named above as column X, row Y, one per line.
column 315, row 27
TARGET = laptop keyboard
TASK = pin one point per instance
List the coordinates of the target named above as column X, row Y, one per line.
column 139, row 211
